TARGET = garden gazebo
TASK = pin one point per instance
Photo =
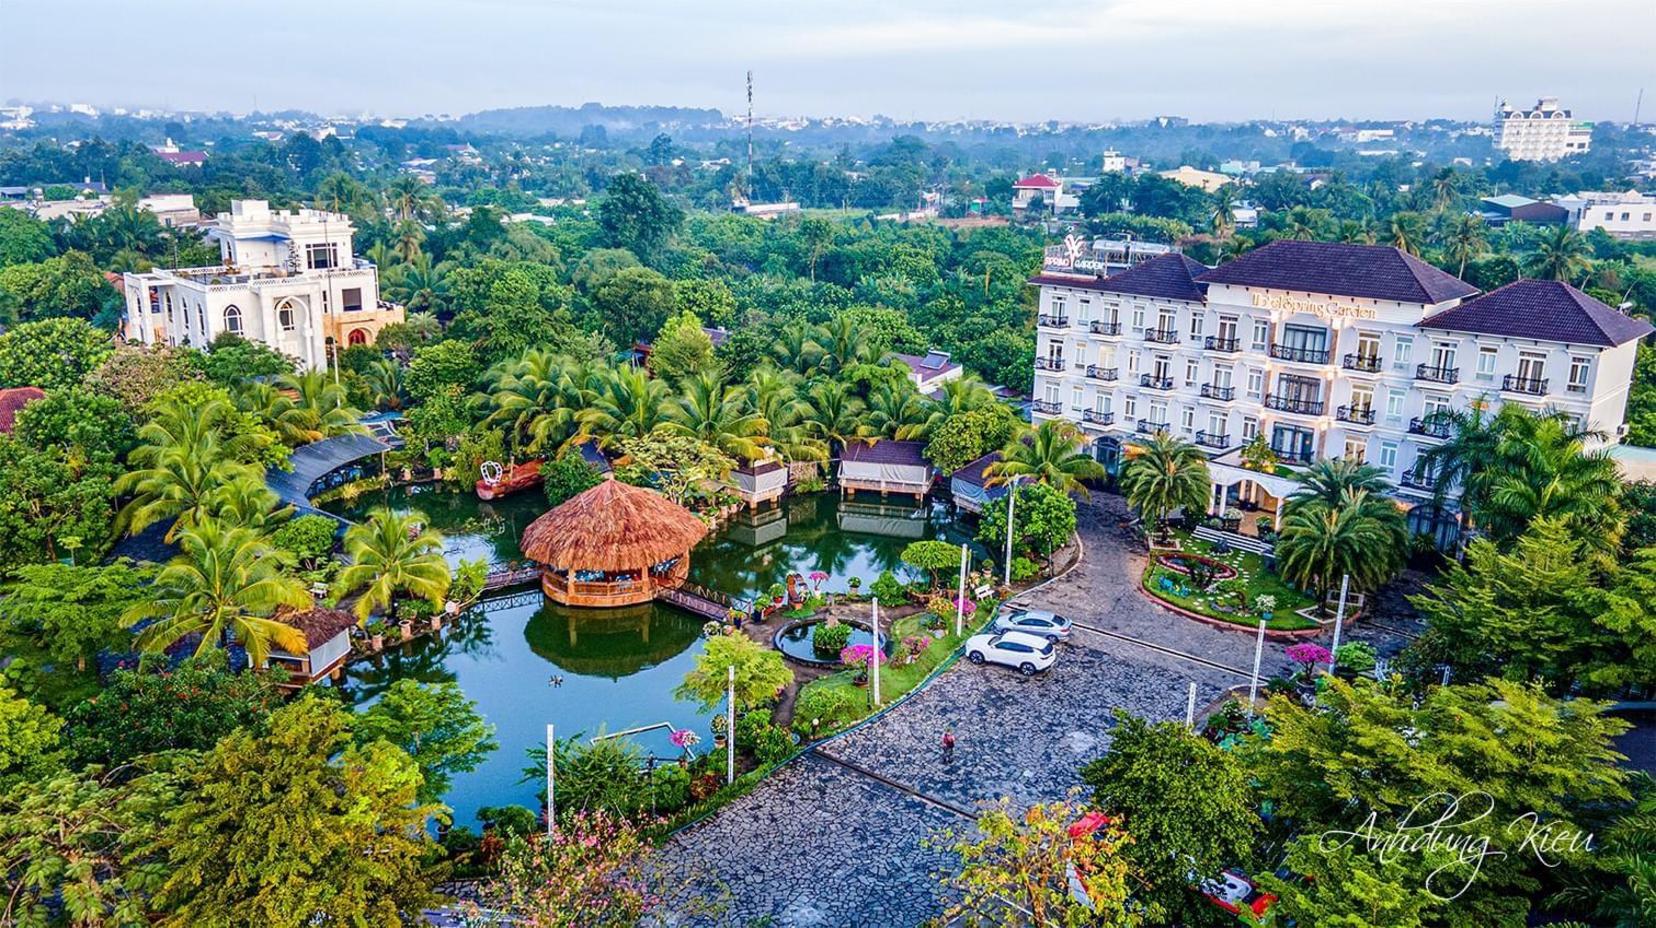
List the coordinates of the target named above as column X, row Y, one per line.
column 612, row 545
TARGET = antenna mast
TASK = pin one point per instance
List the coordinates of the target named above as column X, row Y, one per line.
column 1637, row 104
column 749, row 192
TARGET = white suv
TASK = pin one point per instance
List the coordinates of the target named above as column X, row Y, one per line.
column 1029, row 653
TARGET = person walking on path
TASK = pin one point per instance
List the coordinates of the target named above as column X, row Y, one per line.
column 948, row 745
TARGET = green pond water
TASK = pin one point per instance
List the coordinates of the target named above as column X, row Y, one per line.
column 528, row 662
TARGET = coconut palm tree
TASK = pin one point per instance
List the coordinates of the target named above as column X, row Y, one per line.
column 1465, row 240
column 246, row 501
column 409, row 197
column 1513, row 446
column 538, row 396
column 1445, row 188
column 407, row 236
column 392, row 555
column 177, row 482
column 1357, row 231
column 1406, row 232
column 1361, row 536
column 834, row 414
column 1562, row 255
column 775, row 396
column 963, row 394
column 895, row 410
column 626, row 402
column 419, row 284
column 843, row 341
column 720, row 416
column 1543, row 468
column 1223, row 217
column 319, row 406
column 1054, row 453
column 1329, row 479
column 224, row 585
column 796, row 348
column 384, row 377
column 1163, row 474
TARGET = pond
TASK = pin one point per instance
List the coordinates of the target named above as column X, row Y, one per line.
column 528, row 662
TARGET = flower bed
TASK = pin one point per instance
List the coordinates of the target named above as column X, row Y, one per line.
column 1235, row 600
column 1186, row 563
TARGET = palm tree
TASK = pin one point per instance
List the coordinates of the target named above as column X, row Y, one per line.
column 1405, row 232
column 843, row 341
column 775, row 396
column 626, row 402
column 248, row 502
column 393, row 554
column 895, row 410
column 419, row 284
column 1445, row 188
column 1465, row 241
column 1563, row 255
column 963, row 394
column 1361, row 536
column 1164, row 474
column 319, row 406
column 384, row 377
column 407, row 238
column 1301, row 223
column 1329, row 479
column 409, row 197
column 1223, row 218
column 1357, row 231
column 796, row 348
column 538, row 394
column 834, row 415
column 720, row 416
column 1054, row 453
column 224, row 585
column 177, row 482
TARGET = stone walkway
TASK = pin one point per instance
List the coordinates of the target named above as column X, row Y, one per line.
column 839, row 837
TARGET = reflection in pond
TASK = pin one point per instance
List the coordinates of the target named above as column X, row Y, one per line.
column 611, row 643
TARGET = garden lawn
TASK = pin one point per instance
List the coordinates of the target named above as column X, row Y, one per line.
column 1251, row 569
column 896, row 680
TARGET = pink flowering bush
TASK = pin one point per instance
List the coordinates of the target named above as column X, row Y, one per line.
column 861, row 656
column 1308, row 655
column 684, row 738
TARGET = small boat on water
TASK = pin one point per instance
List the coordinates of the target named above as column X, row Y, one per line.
column 498, row 481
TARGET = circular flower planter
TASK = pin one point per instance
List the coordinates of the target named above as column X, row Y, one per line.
column 795, row 641
column 1182, row 561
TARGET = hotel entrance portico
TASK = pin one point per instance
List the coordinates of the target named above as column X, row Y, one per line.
column 1259, row 495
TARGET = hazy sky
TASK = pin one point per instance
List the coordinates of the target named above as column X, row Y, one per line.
column 1014, row 59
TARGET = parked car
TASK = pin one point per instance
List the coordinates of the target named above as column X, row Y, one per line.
column 1048, row 625
column 1029, row 653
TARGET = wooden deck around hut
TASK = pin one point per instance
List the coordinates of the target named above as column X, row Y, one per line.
column 625, row 591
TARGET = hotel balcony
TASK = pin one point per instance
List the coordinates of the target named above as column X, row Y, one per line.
column 1155, row 383
column 1104, row 328
column 1356, row 415
column 1049, row 364
column 1362, row 363
column 1146, row 427
column 1292, row 455
column 1215, row 343
column 1432, row 374
column 1430, row 428
column 1094, row 417
column 1215, row 392
column 1300, row 355
column 1213, row 439
column 1103, row 373
column 1045, row 407
column 1294, row 404
column 1531, row 386
column 1052, row 322
column 1418, row 479
column 1161, row 336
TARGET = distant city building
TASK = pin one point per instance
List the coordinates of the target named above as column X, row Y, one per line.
column 763, row 210
column 289, row 280
column 1630, row 214
column 1208, row 181
column 174, row 155
column 1498, row 211
column 174, row 210
column 930, row 371
column 1047, row 190
column 1114, row 162
column 1327, row 350
column 1545, row 132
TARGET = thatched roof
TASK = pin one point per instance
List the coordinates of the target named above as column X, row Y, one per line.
column 613, row 526
column 319, row 625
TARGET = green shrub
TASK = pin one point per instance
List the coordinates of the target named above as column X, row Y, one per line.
column 829, row 640
column 567, row 476
column 827, row 705
column 1023, row 568
column 670, row 788
column 509, row 821
column 774, row 746
column 307, row 538
column 888, row 589
column 1356, row 657
column 749, row 726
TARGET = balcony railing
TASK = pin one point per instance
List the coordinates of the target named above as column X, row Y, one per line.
column 1052, row 322
column 1534, row 386
column 1358, row 415
column 1213, row 439
column 1418, row 479
column 1162, row 336
column 1098, row 418
column 1437, row 374
column 1155, row 383
column 1146, row 427
column 1429, row 427
column 1105, row 328
column 1049, row 364
column 1364, row 363
column 1046, row 407
column 1299, row 455
column 1215, row 343
column 1300, row 355
column 1294, row 404
column 1212, row 391
column 1103, row 373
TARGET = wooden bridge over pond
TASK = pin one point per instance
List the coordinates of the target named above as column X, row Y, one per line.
column 691, row 597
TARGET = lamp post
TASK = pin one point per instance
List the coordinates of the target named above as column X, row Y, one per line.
column 1253, row 681
column 551, row 780
column 960, row 594
column 1011, row 505
column 1339, row 621
column 730, row 724
column 874, row 656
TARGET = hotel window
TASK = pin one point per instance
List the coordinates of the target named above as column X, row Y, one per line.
column 284, row 317
column 1486, row 363
column 1579, row 369
column 232, row 319
column 1187, row 419
column 1158, row 413
column 326, row 306
column 1221, row 376
column 1261, row 334
column 1402, row 349
column 1368, row 345
column 1195, row 325
column 350, row 299
column 1101, row 402
column 321, row 256
column 1433, row 406
column 1250, row 428
column 1138, row 319
column 1394, row 405
column 1052, row 393
column 168, row 298
column 1058, row 306
column 1075, row 399
column 1256, row 383
column 1531, row 368
column 1129, row 407
column 1132, row 363
column 1362, row 398
column 1086, row 311
column 1355, row 449
column 1227, row 328
column 1625, row 216
column 1192, row 369
column 1388, row 455
column 201, row 318
column 1216, row 423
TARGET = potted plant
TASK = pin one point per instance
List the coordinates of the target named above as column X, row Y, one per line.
column 1266, row 604
column 376, row 635
column 777, row 593
column 407, row 628
column 720, row 727
column 855, row 583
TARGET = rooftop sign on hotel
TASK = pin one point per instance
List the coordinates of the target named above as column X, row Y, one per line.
column 1325, row 309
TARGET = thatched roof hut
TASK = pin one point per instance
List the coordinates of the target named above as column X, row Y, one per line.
column 611, row 545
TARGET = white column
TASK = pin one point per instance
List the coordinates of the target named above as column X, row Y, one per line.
column 730, row 724
column 551, row 780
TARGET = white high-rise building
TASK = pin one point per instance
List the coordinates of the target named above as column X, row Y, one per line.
column 289, row 280
column 1327, row 350
column 1626, row 214
column 1545, row 132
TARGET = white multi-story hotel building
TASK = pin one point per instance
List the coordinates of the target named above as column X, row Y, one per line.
column 1545, row 132
column 1327, row 350
column 1628, row 214
column 289, row 279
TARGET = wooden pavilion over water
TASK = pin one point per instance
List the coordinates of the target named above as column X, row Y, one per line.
column 612, row 545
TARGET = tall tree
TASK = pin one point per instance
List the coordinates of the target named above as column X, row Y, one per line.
column 634, row 215
column 435, row 725
column 1164, row 474
column 393, row 555
column 1054, row 453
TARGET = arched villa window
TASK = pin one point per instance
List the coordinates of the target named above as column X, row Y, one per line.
column 232, row 319
column 357, row 337
column 284, row 315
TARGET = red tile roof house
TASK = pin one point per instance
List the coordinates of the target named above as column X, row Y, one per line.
column 1036, row 186
column 12, row 401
